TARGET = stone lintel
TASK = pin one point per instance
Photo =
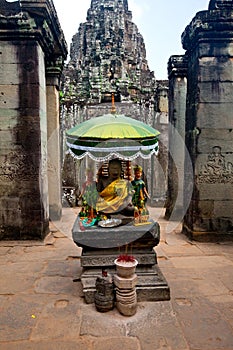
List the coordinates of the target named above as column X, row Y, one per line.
column 34, row 20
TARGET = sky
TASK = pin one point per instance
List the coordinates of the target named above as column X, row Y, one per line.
column 161, row 23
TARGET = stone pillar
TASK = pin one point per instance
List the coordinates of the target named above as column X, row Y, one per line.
column 54, row 147
column 30, row 37
column 209, row 122
column 177, row 72
column 159, row 163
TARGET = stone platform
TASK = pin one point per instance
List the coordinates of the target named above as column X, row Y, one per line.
column 101, row 246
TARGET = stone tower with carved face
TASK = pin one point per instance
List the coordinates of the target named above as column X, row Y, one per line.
column 108, row 55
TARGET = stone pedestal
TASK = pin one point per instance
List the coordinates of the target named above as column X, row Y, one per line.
column 102, row 246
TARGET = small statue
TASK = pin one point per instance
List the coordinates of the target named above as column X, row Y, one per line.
column 141, row 214
column 89, row 196
column 140, row 192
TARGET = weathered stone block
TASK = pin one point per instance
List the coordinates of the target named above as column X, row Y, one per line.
column 216, row 48
column 6, row 138
column 206, row 208
column 215, row 116
column 9, row 96
column 215, row 92
column 223, row 209
column 216, row 192
column 8, row 73
column 8, row 119
column 221, row 226
column 209, row 138
column 215, row 69
column 8, row 53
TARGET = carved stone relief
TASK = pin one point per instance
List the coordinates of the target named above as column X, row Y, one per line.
column 17, row 166
column 217, row 169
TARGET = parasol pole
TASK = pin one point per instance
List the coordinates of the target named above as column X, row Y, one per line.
column 113, row 110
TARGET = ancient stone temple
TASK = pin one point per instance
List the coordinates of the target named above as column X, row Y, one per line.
column 32, row 52
column 208, row 41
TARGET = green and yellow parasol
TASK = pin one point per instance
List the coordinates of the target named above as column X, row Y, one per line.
column 110, row 135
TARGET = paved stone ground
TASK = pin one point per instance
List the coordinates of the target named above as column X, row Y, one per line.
column 42, row 306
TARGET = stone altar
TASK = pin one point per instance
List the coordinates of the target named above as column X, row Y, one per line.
column 101, row 246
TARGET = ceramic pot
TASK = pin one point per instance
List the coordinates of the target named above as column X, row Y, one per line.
column 125, row 269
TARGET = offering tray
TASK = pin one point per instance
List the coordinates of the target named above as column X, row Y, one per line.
column 110, row 223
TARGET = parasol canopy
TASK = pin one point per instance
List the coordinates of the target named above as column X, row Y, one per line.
column 102, row 137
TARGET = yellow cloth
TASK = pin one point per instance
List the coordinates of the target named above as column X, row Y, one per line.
column 114, row 197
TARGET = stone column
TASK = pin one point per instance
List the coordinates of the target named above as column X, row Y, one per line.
column 209, row 122
column 177, row 72
column 54, row 145
column 30, row 37
column 159, row 163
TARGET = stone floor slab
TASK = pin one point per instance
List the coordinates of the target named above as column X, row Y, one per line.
column 116, row 343
column 156, row 326
column 98, row 324
column 48, row 345
column 55, row 285
column 203, row 325
column 200, row 262
column 66, row 268
column 16, row 318
column 13, row 281
column 60, row 319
